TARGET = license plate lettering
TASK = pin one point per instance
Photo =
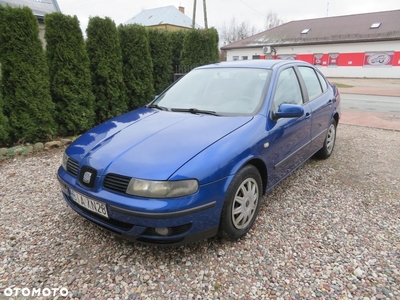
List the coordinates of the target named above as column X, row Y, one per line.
column 90, row 204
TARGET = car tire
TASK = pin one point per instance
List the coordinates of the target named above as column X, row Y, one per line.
column 329, row 142
column 242, row 204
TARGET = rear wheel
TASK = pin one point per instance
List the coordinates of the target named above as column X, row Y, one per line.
column 242, row 204
column 329, row 142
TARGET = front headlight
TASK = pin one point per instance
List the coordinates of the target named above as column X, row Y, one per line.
column 64, row 161
column 161, row 189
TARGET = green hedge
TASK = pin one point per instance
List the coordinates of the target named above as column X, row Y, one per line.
column 137, row 64
column 200, row 47
column 3, row 119
column 25, row 78
column 69, row 74
column 177, row 38
column 118, row 69
column 3, row 124
column 161, row 55
column 105, row 57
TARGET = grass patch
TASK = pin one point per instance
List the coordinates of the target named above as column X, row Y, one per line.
column 10, row 152
column 342, row 85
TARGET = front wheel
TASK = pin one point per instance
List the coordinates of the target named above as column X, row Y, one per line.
column 329, row 142
column 242, row 203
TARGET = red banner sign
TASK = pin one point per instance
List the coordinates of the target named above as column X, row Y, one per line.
column 287, row 56
column 378, row 59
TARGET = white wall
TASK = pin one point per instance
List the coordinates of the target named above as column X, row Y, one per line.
column 361, row 72
column 342, row 71
column 41, row 34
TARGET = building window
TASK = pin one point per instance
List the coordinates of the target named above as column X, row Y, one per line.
column 244, row 57
column 375, row 25
column 256, row 56
column 236, row 58
column 318, row 59
column 333, row 59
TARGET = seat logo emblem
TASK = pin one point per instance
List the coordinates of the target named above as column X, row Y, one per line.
column 86, row 177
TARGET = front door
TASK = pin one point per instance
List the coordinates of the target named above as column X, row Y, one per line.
column 289, row 138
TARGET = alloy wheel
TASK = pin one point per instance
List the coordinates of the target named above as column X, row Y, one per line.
column 245, row 203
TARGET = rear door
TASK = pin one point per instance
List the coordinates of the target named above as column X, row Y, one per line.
column 289, row 138
column 320, row 101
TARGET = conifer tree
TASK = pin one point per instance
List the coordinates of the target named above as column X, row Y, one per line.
column 200, row 47
column 161, row 55
column 104, row 51
column 137, row 64
column 177, row 38
column 25, row 78
column 3, row 119
column 3, row 123
column 70, row 80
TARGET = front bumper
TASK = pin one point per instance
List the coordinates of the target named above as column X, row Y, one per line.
column 188, row 219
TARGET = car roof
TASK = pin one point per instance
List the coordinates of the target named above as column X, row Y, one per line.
column 254, row 63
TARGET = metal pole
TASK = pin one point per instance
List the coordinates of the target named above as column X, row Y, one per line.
column 205, row 14
column 194, row 15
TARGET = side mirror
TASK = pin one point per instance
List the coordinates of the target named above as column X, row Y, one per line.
column 289, row 111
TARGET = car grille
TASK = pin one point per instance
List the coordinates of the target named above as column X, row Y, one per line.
column 72, row 166
column 116, row 182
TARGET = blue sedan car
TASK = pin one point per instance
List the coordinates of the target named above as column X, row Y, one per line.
column 197, row 160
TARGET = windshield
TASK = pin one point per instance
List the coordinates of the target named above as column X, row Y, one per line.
column 220, row 91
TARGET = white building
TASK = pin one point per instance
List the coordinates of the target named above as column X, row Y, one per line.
column 167, row 17
column 363, row 45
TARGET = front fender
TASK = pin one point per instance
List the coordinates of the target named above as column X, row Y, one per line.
column 225, row 157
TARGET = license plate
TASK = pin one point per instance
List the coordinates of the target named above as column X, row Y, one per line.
column 90, row 204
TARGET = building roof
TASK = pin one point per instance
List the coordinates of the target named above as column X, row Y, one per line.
column 368, row 27
column 251, row 63
column 38, row 7
column 168, row 15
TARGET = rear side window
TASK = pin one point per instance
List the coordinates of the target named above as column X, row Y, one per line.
column 312, row 82
column 324, row 85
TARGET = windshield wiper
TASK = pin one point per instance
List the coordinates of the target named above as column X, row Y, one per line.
column 157, row 106
column 195, row 111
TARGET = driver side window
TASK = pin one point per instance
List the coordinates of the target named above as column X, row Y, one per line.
column 288, row 89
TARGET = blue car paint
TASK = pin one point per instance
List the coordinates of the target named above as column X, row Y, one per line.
column 161, row 132
column 210, row 194
column 208, row 148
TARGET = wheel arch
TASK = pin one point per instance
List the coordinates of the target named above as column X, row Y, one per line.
column 336, row 117
column 261, row 167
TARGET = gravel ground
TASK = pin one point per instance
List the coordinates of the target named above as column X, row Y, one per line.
column 331, row 230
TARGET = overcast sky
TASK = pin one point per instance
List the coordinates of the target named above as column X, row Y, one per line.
column 220, row 11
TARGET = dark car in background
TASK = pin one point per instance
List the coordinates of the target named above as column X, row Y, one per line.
column 197, row 160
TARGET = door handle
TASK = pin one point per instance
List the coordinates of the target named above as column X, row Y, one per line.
column 308, row 115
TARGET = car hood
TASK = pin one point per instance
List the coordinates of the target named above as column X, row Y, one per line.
column 150, row 144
